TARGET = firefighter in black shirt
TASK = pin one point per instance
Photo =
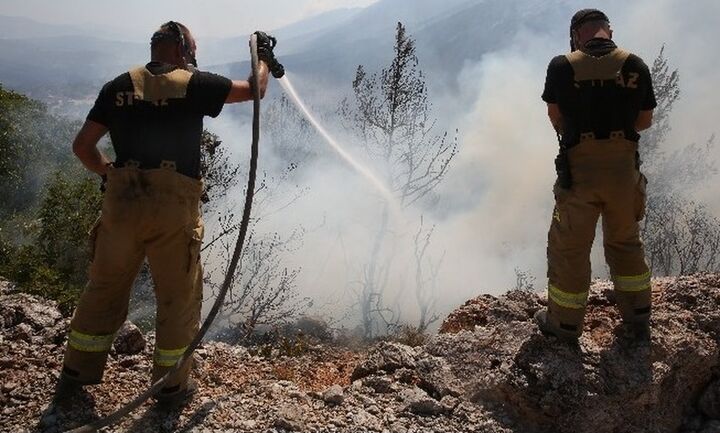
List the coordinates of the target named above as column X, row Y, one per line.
column 154, row 115
column 598, row 96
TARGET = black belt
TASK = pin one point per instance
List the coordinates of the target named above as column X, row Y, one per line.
column 613, row 135
column 164, row 164
column 619, row 134
column 130, row 163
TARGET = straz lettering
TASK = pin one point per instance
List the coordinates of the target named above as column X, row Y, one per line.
column 124, row 98
column 127, row 99
column 631, row 82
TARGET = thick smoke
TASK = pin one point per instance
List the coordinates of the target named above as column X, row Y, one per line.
column 493, row 210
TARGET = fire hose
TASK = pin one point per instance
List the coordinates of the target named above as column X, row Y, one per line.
column 125, row 410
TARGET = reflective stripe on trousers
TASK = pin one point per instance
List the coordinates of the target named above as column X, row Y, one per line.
column 632, row 283
column 151, row 214
column 168, row 358
column 90, row 343
column 606, row 183
column 567, row 299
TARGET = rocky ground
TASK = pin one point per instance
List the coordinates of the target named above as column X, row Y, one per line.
column 489, row 370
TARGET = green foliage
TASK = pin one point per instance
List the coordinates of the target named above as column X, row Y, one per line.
column 44, row 217
column 53, row 265
column 32, row 143
column 69, row 210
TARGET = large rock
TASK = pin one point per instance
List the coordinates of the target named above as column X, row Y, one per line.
column 435, row 376
column 36, row 312
column 289, row 417
column 609, row 383
column 334, row 395
column 31, row 317
column 129, row 339
column 487, row 310
column 419, row 402
column 386, row 357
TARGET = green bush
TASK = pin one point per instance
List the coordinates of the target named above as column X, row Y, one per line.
column 50, row 201
column 44, row 218
column 33, row 143
column 68, row 211
column 53, row 264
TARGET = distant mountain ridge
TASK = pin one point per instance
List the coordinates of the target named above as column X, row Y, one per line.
column 327, row 47
column 20, row 28
column 447, row 33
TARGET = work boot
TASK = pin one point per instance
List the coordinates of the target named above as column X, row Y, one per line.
column 67, row 390
column 173, row 397
column 68, row 393
column 548, row 328
column 638, row 330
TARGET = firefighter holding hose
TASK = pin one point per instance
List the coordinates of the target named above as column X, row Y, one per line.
column 150, row 209
column 598, row 97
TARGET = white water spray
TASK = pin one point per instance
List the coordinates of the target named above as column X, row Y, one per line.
column 344, row 154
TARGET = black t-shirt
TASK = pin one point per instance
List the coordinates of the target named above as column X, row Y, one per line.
column 597, row 108
column 165, row 129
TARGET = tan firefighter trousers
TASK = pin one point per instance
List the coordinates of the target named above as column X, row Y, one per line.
column 605, row 183
column 145, row 213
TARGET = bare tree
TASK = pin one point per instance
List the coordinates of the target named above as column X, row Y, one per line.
column 666, row 83
column 390, row 111
column 681, row 236
column 266, row 291
column 426, row 275
column 289, row 133
column 218, row 173
column 524, row 280
column 392, row 115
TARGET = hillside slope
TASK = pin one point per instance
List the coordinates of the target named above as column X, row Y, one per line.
column 489, row 370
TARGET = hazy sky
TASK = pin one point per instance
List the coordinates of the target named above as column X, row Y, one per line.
column 210, row 18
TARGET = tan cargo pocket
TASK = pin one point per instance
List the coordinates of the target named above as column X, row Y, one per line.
column 92, row 238
column 194, row 243
column 560, row 216
column 641, row 198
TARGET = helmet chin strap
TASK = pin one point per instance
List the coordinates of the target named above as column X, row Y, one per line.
column 190, row 62
column 189, row 55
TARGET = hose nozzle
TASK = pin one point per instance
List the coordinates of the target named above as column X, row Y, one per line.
column 276, row 69
column 266, row 45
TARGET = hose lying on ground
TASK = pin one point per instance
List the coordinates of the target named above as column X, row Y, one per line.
column 229, row 276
